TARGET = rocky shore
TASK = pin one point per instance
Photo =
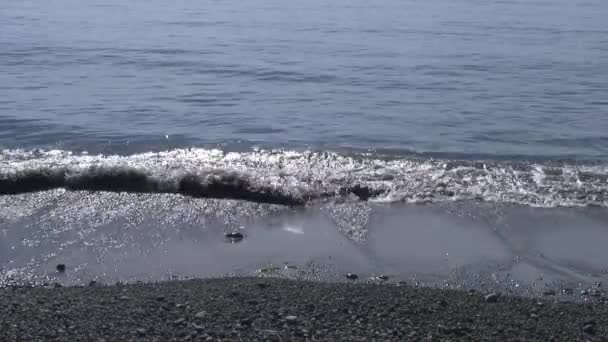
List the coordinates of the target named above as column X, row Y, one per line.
column 268, row 309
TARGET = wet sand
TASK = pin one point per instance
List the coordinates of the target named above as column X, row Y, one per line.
column 484, row 246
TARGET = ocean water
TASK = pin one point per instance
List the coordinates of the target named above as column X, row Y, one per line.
column 112, row 112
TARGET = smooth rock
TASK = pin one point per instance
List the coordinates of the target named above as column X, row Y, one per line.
column 351, row 276
column 234, row 237
column 492, row 297
column 589, row 329
column 201, row 314
column 291, row 319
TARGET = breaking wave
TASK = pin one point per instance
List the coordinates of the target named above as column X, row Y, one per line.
column 297, row 178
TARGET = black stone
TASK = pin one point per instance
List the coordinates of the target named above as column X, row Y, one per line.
column 589, row 329
column 60, row 268
column 492, row 297
column 351, row 276
column 234, row 237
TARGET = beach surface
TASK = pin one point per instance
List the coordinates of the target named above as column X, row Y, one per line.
column 350, row 271
column 270, row 309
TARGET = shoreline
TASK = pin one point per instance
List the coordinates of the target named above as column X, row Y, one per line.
column 275, row 309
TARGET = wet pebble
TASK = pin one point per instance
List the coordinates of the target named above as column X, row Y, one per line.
column 234, row 237
column 492, row 297
column 589, row 329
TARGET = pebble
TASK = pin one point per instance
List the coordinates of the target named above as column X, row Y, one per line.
column 492, row 297
column 351, row 276
column 60, row 268
column 549, row 293
column 291, row 319
column 140, row 331
column 589, row 329
column 234, row 237
column 124, row 298
column 179, row 321
column 201, row 314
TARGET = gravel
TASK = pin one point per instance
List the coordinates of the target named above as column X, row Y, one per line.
column 268, row 309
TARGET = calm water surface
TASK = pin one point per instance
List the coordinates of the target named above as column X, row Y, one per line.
column 493, row 78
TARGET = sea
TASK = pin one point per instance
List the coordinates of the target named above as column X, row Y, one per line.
column 332, row 135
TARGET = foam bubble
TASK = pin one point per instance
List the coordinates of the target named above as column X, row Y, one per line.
column 296, row 178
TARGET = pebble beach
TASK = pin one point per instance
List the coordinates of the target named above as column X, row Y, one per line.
column 272, row 309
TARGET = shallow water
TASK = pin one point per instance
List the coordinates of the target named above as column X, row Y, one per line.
column 110, row 237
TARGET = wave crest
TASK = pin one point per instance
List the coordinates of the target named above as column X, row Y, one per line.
column 296, row 178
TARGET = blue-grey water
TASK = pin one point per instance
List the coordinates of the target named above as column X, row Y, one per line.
column 128, row 128
column 472, row 77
